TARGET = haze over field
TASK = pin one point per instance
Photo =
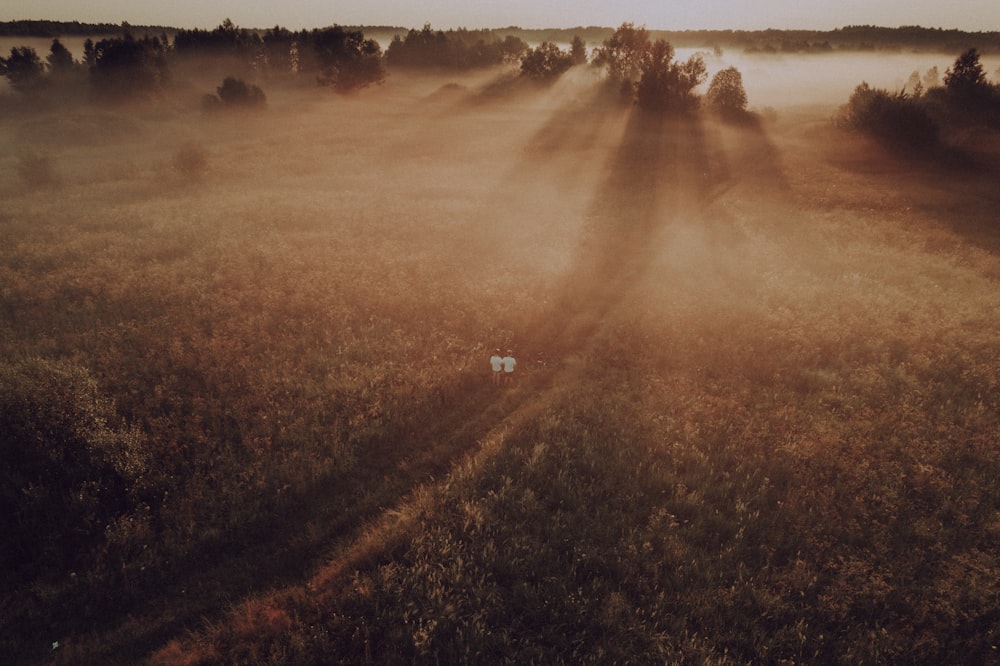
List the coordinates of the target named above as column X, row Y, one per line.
column 754, row 419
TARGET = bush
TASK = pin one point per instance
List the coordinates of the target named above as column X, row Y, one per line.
column 237, row 92
column 896, row 119
column 68, row 472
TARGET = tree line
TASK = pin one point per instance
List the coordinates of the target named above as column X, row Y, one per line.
column 344, row 59
column 846, row 38
column 639, row 61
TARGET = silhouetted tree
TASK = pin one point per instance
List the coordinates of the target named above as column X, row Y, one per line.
column 622, row 53
column 278, row 43
column 60, row 60
column 24, row 69
column 932, row 79
column 966, row 77
column 454, row 49
column 125, row 66
column 227, row 41
column 578, row 50
column 238, row 93
column 89, row 53
column 896, row 119
column 726, row 94
column 646, row 71
column 546, row 61
column 666, row 85
column 347, row 61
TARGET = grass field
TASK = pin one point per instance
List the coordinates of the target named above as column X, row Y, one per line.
column 765, row 431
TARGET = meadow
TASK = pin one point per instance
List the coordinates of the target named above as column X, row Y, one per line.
column 765, row 430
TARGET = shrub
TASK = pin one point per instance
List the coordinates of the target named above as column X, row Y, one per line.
column 893, row 118
column 238, row 93
column 68, row 471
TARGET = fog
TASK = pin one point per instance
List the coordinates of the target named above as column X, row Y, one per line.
column 442, row 169
column 770, row 80
column 302, row 298
column 828, row 79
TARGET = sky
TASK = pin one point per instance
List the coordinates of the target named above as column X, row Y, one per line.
column 971, row 15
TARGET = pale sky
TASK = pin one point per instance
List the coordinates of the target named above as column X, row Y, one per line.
column 971, row 15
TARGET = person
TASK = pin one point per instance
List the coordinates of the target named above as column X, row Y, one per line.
column 496, row 363
column 508, row 367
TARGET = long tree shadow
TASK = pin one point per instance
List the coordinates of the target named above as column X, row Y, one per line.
column 576, row 125
column 662, row 175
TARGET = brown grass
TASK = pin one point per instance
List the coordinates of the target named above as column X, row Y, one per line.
column 766, row 431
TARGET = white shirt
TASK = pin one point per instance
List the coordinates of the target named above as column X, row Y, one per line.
column 509, row 363
column 496, row 363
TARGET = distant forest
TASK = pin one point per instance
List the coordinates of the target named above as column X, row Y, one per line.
column 848, row 38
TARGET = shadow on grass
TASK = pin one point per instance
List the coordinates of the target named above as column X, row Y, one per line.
column 281, row 547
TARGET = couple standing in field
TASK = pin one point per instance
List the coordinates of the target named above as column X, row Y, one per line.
column 503, row 367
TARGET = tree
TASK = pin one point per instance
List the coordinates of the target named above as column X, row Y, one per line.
column 238, row 93
column 895, row 119
column 60, row 60
column 932, row 79
column 125, row 66
column 665, row 85
column 547, row 61
column 966, row 77
column 228, row 43
column 89, row 53
column 24, row 69
column 622, row 53
column 646, row 71
column 578, row 50
column 277, row 47
column 454, row 49
column 347, row 61
column 726, row 94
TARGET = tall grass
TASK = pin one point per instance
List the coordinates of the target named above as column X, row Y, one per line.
column 776, row 444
